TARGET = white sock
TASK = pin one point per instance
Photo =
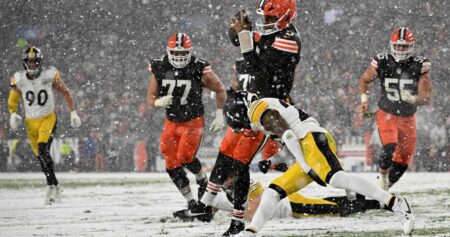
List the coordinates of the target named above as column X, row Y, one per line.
column 187, row 194
column 200, row 175
column 359, row 185
column 208, row 198
column 265, row 211
column 222, row 203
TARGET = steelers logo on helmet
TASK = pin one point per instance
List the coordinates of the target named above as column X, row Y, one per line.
column 235, row 110
column 179, row 49
column 32, row 60
column 276, row 15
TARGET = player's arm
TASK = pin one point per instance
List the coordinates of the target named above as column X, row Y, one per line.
column 152, row 91
column 424, row 94
column 211, row 81
column 272, row 121
column 425, row 90
column 14, row 99
column 61, row 87
column 367, row 77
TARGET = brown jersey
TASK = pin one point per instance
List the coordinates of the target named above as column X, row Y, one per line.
column 184, row 84
column 396, row 76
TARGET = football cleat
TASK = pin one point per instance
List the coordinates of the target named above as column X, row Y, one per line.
column 235, row 228
column 200, row 211
column 49, row 197
column 246, row 233
column 183, row 215
column 402, row 210
column 383, row 181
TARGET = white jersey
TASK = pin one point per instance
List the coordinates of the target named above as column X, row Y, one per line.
column 298, row 121
column 37, row 94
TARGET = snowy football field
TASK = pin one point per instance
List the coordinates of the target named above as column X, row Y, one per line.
column 141, row 204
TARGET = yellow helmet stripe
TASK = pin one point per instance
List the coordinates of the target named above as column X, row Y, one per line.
column 256, row 111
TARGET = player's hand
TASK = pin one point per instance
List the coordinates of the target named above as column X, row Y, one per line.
column 240, row 22
column 264, row 165
column 218, row 122
column 75, row 120
column 408, row 97
column 363, row 107
column 164, row 101
column 14, row 120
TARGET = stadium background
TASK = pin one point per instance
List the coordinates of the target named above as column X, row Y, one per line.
column 102, row 49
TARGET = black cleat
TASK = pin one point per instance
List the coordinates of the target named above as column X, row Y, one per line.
column 235, row 228
column 183, row 215
column 200, row 211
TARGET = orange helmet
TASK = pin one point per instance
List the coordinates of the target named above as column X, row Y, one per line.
column 402, row 36
column 179, row 49
column 285, row 12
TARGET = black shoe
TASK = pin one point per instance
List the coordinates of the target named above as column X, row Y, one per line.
column 202, row 187
column 183, row 215
column 235, row 228
column 201, row 211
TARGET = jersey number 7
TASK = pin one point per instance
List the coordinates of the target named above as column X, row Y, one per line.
column 178, row 83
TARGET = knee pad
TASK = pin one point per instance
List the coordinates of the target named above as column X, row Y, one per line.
column 195, row 166
column 386, row 155
column 279, row 190
column 179, row 177
column 396, row 171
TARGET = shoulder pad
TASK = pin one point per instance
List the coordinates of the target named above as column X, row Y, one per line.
column 382, row 56
column 425, row 64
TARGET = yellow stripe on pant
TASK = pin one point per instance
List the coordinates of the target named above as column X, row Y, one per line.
column 40, row 130
column 295, row 178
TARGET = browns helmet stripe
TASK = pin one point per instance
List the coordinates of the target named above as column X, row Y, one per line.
column 402, row 33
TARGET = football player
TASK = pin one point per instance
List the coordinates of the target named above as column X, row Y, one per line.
column 35, row 86
column 315, row 152
column 295, row 205
column 270, row 56
column 405, row 84
column 176, row 84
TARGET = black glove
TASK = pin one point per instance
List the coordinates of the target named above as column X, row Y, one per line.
column 281, row 167
column 264, row 165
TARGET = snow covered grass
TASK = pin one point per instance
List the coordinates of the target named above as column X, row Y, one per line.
column 141, row 204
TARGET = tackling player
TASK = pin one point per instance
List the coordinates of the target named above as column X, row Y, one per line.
column 176, row 84
column 270, row 56
column 315, row 152
column 35, row 86
column 405, row 84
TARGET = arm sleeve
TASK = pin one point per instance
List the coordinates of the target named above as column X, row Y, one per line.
column 13, row 101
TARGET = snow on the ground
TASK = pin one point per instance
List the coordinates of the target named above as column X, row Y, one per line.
column 141, row 204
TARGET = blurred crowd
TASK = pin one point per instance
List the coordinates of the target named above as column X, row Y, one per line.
column 103, row 48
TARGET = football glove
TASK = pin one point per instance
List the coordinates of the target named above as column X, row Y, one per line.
column 14, row 120
column 408, row 97
column 75, row 120
column 264, row 165
column 164, row 101
column 218, row 123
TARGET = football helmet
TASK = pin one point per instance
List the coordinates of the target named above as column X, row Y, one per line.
column 276, row 15
column 402, row 43
column 179, row 49
column 32, row 60
column 235, row 109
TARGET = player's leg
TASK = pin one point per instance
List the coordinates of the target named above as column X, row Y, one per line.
column 245, row 150
column 169, row 141
column 44, row 128
column 387, row 127
column 289, row 182
column 190, row 141
column 405, row 151
column 343, row 180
